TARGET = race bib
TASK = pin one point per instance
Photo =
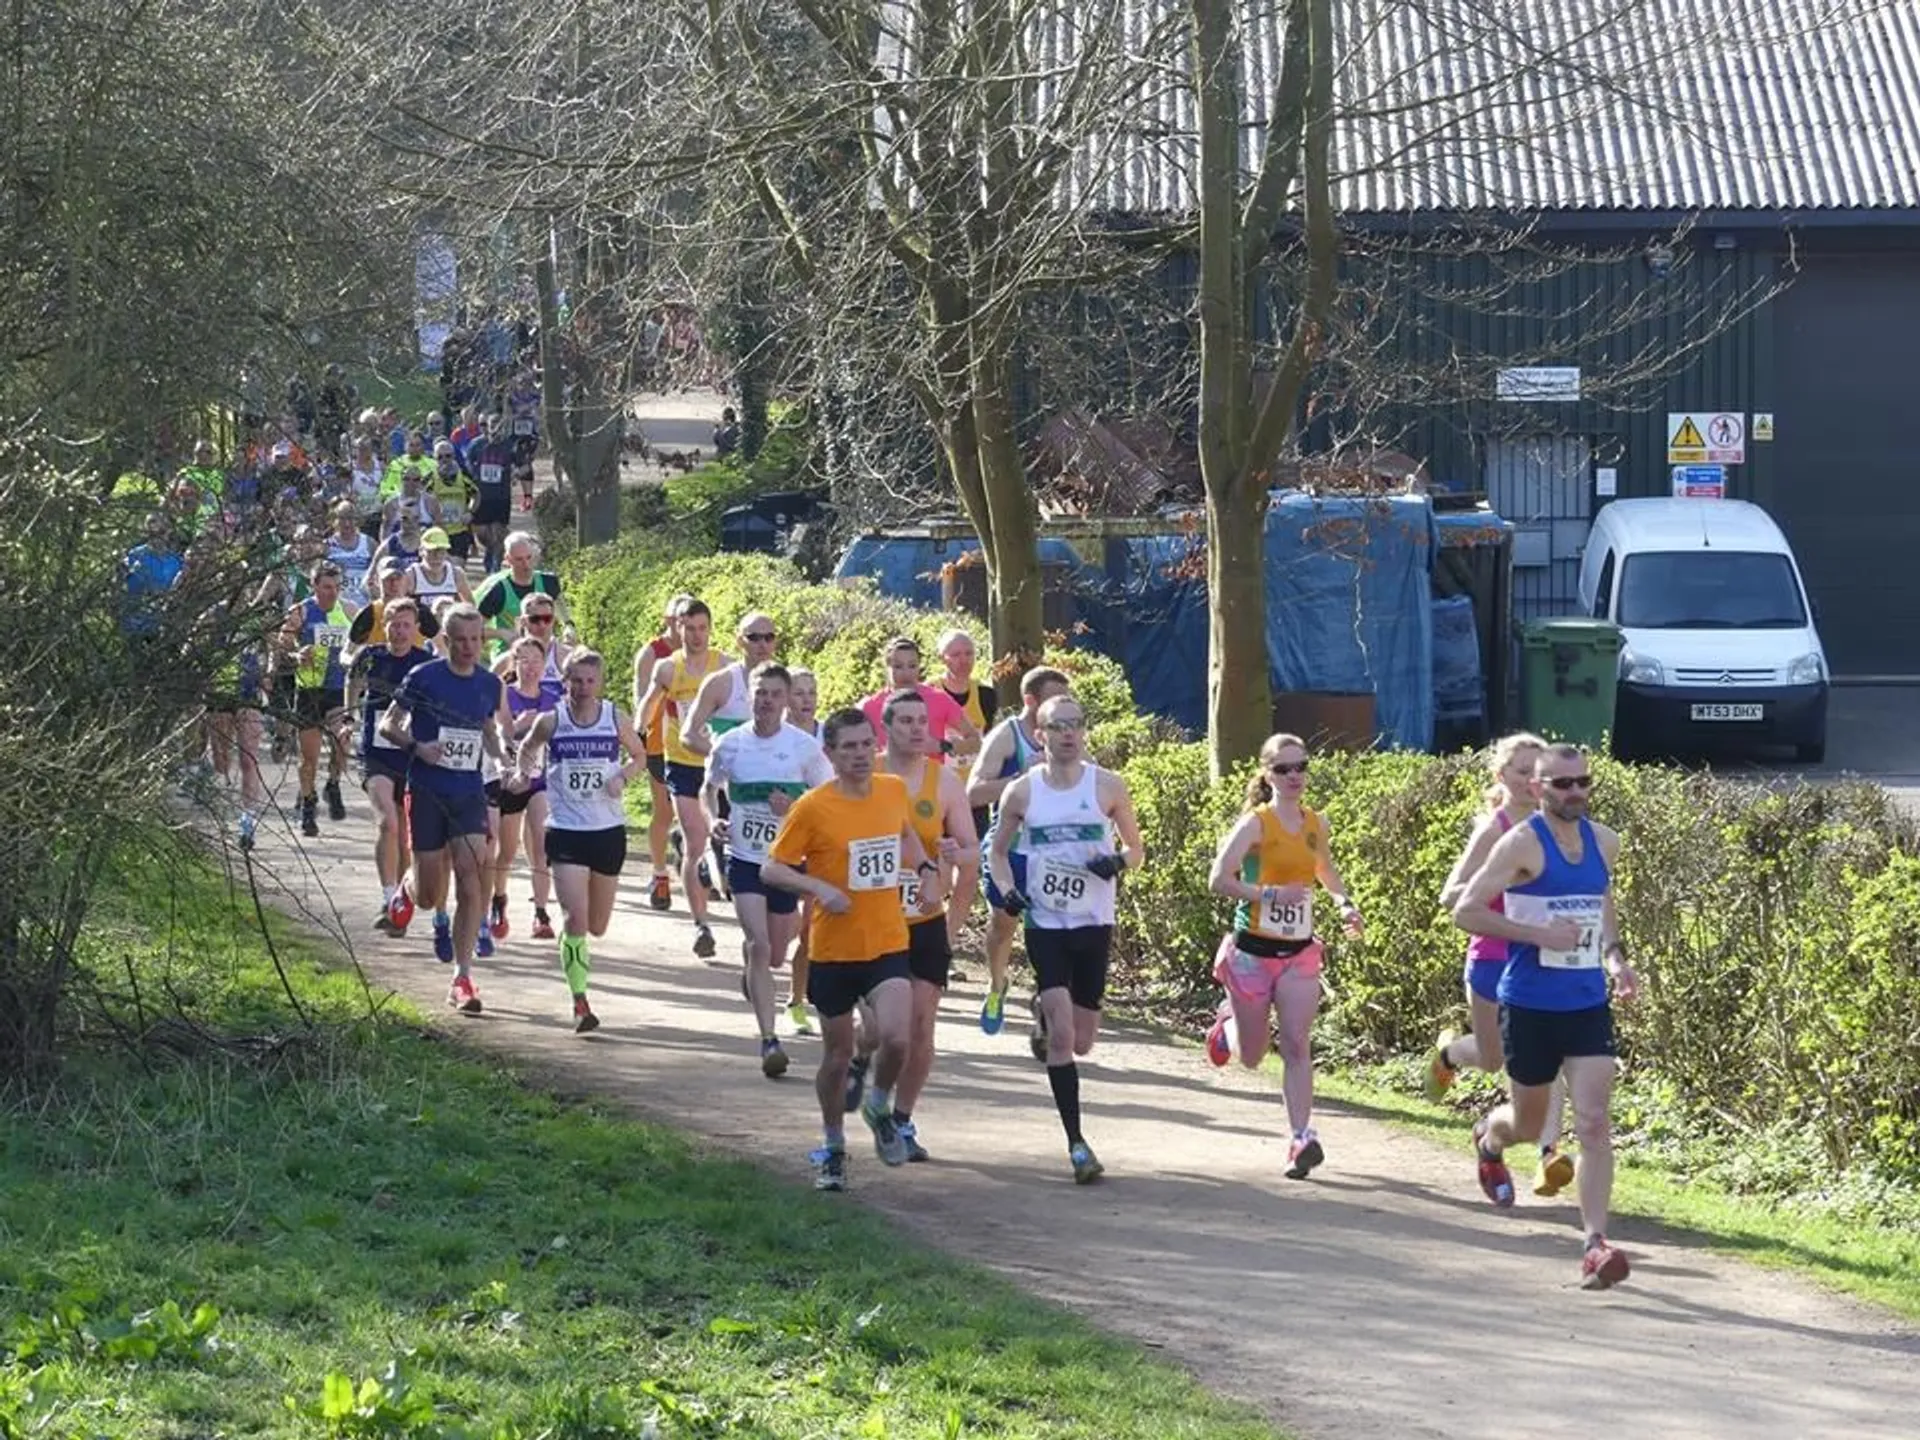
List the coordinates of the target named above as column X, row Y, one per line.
column 330, row 637
column 459, row 749
column 1285, row 920
column 752, row 828
column 910, row 894
column 587, row 778
column 492, row 474
column 1585, row 955
column 1060, row 885
column 523, row 427
column 874, row 863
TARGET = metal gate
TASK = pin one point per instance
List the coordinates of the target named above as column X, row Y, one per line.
column 1544, row 485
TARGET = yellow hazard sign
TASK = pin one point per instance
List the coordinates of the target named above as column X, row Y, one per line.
column 1688, row 436
column 1711, row 437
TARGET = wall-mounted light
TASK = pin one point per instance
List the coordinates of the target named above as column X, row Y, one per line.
column 1659, row 259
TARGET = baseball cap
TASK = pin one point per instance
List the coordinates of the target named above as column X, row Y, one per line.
column 442, row 447
column 434, row 538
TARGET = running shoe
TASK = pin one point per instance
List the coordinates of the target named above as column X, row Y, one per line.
column 1602, row 1267
column 993, row 1011
column 1086, row 1165
column 1496, row 1181
column 386, row 926
column 703, row 945
column 483, row 947
column 1037, row 1041
column 661, row 895
column 797, row 1017
column 247, row 823
column 463, row 997
column 309, row 816
column 773, row 1060
column 704, row 873
column 497, row 917
column 1440, row 1075
column 584, row 1020
column 887, row 1143
column 336, row 807
column 910, row 1137
column 1554, row 1175
column 542, row 925
column 443, row 939
column 400, row 910
column 1304, row 1155
column 1220, row 1038
column 829, row 1169
column 856, row 1081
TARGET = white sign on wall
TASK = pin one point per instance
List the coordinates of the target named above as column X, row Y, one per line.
column 1537, row 382
column 1706, row 437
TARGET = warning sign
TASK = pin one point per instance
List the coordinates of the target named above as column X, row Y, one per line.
column 1706, row 438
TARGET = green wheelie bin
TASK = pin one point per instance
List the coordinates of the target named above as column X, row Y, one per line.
column 1569, row 670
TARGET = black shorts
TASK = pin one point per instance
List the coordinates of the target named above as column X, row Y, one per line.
column 1538, row 1042
column 511, row 802
column 686, row 781
column 312, row 707
column 460, row 546
column 390, row 765
column 929, row 951
column 836, row 986
column 1071, row 960
column 603, row 852
column 657, row 768
column 492, row 511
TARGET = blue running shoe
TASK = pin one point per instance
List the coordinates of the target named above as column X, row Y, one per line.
column 856, row 1082
column 993, row 1012
column 442, row 939
column 484, row 947
column 1086, row 1165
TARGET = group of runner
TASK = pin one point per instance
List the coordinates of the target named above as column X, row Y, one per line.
column 851, row 848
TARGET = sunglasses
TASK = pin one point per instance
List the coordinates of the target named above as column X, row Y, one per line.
column 1571, row 782
column 1289, row 767
column 759, row 637
column 540, row 619
column 1066, row 726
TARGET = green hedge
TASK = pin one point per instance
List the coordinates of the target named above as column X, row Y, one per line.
column 1777, row 931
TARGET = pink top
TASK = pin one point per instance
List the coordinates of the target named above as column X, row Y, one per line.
column 1491, row 947
column 944, row 713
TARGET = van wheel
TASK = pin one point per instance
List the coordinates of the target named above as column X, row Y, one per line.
column 1814, row 754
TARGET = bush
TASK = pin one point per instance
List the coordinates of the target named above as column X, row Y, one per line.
column 1777, row 932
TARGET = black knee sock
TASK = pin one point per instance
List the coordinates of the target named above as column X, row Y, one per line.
column 1065, row 1080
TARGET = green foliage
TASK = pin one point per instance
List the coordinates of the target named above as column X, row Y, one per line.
column 164, row 1335
column 1776, row 931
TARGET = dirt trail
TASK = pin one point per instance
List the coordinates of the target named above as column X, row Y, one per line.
column 1365, row 1303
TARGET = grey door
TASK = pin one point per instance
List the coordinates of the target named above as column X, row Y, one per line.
column 1543, row 484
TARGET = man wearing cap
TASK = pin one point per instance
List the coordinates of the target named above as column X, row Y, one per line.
column 433, row 574
column 456, row 494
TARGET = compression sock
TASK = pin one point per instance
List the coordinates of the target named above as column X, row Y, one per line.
column 573, row 960
column 1065, row 1080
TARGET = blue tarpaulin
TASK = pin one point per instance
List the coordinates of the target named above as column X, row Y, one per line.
column 1348, row 604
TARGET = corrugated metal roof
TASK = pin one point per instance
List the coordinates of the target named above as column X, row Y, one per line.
column 1526, row 105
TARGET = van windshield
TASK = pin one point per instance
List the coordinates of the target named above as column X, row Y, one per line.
column 1709, row 590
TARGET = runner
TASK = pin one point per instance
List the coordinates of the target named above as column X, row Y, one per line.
column 847, row 844
column 944, row 823
column 448, row 715
column 314, row 638
column 946, row 720
column 1269, row 963
column 586, row 839
column 433, row 574
column 456, row 494
column 803, row 706
column 523, row 412
column 369, row 625
column 725, row 702
column 404, row 542
column 412, row 462
column 1512, row 801
column 364, row 475
column 660, row 818
column 489, row 460
column 528, row 698
column 1076, row 824
column 763, row 767
column 1011, row 749
column 539, row 618
column 1555, row 874
column 233, row 706
column 981, row 702
column 501, row 594
column 376, row 671
column 351, row 552
column 676, row 680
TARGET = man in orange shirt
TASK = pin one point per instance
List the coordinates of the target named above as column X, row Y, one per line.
column 847, row 845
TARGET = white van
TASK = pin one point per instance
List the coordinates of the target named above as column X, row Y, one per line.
column 1718, row 640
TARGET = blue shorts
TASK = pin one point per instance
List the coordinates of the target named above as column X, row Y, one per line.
column 1018, row 864
column 438, row 818
column 1483, row 978
column 686, row 781
column 743, row 878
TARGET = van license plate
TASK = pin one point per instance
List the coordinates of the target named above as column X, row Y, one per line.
column 1729, row 712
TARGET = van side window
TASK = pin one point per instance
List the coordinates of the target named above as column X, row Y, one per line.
column 1603, row 588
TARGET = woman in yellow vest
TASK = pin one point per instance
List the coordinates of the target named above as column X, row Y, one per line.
column 1269, row 964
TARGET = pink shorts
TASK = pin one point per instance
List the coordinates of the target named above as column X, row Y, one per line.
column 1250, row 978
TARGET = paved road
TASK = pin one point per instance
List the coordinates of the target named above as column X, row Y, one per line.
column 1369, row 1302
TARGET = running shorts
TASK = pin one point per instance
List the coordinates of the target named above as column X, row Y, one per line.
column 1072, row 960
column 1538, row 1042
column 835, row 987
column 604, row 852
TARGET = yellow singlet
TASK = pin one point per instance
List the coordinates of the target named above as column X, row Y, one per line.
column 929, row 823
column 680, row 697
column 1283, row 857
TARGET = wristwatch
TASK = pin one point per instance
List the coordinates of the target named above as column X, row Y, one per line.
column 926, row 865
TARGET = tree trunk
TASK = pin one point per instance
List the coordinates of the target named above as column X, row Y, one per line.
column 596, row 457
column 1239, row 680
column 1014, row 577
column 553, row 377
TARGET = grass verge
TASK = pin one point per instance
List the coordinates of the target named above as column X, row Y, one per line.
column 374, row 1235
column 1846, row 1248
